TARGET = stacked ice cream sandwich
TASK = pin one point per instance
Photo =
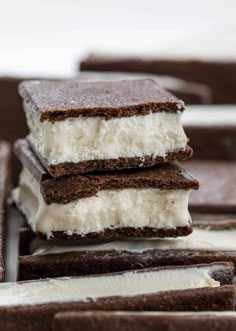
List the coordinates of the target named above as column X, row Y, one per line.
column 99, row 164
column 95, row 164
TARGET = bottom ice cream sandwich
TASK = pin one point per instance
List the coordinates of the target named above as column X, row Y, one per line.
column 149, row 202
column 144, row 321
column 209, row 242
column 5, row 153
column 32, row 304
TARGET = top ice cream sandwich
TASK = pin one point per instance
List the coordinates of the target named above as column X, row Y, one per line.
column 78, row 127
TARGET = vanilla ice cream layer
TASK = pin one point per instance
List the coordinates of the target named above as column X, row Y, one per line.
column 200, row 239
column 126, row 284
column 109, row 209
column 93, row 138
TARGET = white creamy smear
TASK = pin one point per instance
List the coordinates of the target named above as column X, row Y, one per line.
column 125, row 284
column 161, row 209
column 91, row 138
column 200, row 239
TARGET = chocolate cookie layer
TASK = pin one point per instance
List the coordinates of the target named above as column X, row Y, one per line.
column 5, row 154
column 124, row 232
column 68, row 168
column 209, row 242
column 59, row 100
column 144, row 321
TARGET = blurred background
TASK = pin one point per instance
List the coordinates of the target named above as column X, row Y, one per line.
column 47, row 37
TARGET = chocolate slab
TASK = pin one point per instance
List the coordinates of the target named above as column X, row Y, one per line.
column 40, row 317
column 5, row 156
column 69, row 188
column 87, row 261
column 51, row 100
column 144, row 321
column 217, row 192
column 11, row 108
column 219, row 75
column 189, row 92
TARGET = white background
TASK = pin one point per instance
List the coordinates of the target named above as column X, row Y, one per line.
column 46, row 37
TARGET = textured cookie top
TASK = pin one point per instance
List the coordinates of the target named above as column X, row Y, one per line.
column 58, row 100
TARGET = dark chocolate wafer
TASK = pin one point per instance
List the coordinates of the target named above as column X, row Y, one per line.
column 58, row 100
column 195, row 288
column 78, row 127
column 5, row 154
column 209, row 242
column 144, row 321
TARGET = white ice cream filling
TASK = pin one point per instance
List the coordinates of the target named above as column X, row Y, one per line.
column 200, row 239
column 126, row 284
column 109, row 209
column 94, row 138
